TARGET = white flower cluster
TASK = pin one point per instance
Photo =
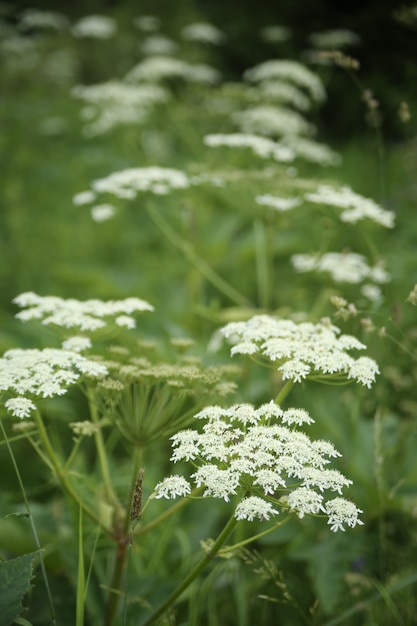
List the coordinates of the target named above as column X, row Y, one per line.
column 102, row 212
column 277, row 203
column 147, row 23
column 343, row 267
column 301, row 350
column 42, row 373
column 126, row 183
column 262, row 146
column 203, row 32
column 275, row 34
column 279, row 91
column 356, row 207
column 114, row 103
column 38, row 19
column 157, row 68
column 95, row 27
column 259, row 452
column 286, row 70
column 85, row 315
column 334, row 39
column 158, row 45
column 272, row 121
column 313, row 151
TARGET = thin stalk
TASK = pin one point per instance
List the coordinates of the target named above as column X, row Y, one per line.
column 197, row 569
column 378, row 137
column 80, row 601
column 321, row 301
column 65, row 484
column 245, row 542
column 32, row 525
column 101, row 452
column 262, row 263
column 284, row 392
column 124, row 542
column 161, row 518
column 191, row 256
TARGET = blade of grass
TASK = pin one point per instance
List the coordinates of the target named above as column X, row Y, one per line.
column 32, row 524
column 81, row 590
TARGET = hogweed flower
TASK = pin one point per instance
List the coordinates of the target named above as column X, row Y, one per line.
column 203, row 32
column 102, row 212
column 127, row 183
column 272, row 121
column 278, row 203
column 313, row 151
column 147, row 401
column 281, row 92
column 44, row 373
column 275, row 34
column 303, row 350
column 288, row 70
column 95, row 27
column 355, row 207
column 158, row 45
column 20, row 407
column 114, row 103
column 261, row 146
column 334, row 39
column 260, row 456
column 345, row 267
column 87, row 315
column 158, row 68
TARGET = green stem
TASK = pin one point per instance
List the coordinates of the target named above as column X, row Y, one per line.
column 320, row 304
column 262, row 264
column 191, row 256
column 65, row 484
column 284, row 392
column 229, row 527
column 161, row 518
column 123, row 539
column 245, row 542
column 102, row 457
column 32, row 525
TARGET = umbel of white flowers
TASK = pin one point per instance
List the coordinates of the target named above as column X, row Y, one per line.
column 32, row 373
column 86, row 315
column 29, row 374
column 262, row 457
column 303, row 350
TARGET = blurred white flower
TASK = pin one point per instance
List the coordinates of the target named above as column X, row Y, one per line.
column 94, row 27
column 343, row 267
column 355, row 207
column 102, row 212
column 71, row 313
column 203, row 32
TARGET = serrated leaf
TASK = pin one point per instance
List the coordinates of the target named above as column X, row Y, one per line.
column 15, row 577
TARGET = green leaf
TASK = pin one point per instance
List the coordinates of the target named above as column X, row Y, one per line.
column 15, row 576
column 328, row 564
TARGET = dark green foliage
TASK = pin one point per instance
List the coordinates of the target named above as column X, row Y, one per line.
column 15, row 579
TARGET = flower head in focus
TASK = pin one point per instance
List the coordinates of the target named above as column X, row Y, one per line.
column 303, row 350
column 261, row 456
